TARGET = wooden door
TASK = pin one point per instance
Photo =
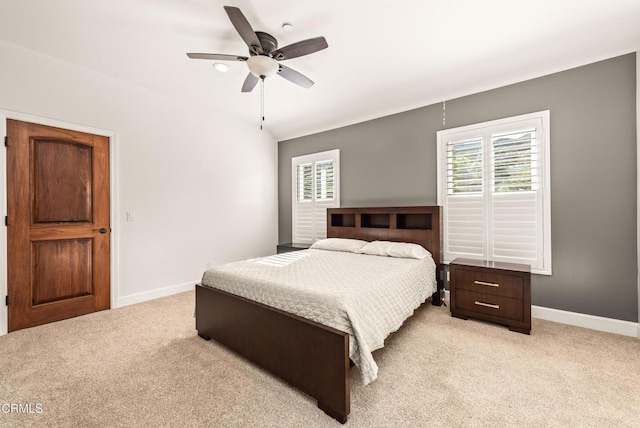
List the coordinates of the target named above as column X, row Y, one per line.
column 58, row 224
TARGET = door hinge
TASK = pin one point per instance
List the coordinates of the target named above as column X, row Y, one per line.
column 6, row 220
column 6, row 300
column 6, row 141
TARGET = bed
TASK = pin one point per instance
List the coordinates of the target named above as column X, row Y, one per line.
column 312, row 352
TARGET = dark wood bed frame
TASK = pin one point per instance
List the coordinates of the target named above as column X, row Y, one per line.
column 308, row 355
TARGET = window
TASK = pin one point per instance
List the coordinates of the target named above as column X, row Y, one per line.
column 315, row 188
column 493, row 184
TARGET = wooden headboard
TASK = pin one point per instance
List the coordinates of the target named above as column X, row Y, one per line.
column 418, row 225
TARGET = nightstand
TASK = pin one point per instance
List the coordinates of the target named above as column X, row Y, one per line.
column 285, row 248
column 492, row 291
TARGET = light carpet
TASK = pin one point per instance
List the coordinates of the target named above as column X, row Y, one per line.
column 144, row 365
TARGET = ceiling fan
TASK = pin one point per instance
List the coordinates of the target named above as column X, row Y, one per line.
column 264, row 55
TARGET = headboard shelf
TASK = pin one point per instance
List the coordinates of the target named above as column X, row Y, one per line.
column 413, row 221
column 380, row 221
column 343, row 220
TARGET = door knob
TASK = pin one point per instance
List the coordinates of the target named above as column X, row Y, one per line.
column 102, row 230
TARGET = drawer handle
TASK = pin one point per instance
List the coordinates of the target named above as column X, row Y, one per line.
column 488, row 284
column 488, row 305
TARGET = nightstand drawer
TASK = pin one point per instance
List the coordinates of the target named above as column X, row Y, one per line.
column 489, row 304
column 489, row 283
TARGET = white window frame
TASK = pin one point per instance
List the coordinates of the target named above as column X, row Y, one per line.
column 485, row 130
column 313, row 158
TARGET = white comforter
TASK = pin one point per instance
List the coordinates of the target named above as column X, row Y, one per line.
column 368, row 297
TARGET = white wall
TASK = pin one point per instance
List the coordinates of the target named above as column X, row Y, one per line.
column 175, row 169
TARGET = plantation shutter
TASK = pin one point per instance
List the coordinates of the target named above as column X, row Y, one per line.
column 516, row 197
column 494, row 192
column 315, row 189
column 324, row 196
column 465, row 201
column 304, row 226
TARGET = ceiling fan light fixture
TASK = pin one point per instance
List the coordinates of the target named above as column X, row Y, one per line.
column 261, row 65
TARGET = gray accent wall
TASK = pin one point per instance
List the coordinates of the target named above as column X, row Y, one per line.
column 392, row 161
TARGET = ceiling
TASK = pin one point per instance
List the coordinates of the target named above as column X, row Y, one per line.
column 384, row 56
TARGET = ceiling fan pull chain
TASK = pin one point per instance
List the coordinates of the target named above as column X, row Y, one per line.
column 261, row 101
column 444, row 112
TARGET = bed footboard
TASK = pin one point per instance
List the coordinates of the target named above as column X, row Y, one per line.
column 308, row 355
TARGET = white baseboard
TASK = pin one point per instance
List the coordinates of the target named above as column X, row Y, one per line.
column 155, row 294
column 609, row 325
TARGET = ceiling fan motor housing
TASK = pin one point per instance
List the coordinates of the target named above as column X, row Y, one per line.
column 268, row 42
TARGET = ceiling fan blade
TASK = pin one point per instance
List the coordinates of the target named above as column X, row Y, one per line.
column 243, row 28
column 301, row 48
column 295, row 77
column 249, row 83
column 217, row 57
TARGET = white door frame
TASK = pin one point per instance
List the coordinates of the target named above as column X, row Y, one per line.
column 113, row 182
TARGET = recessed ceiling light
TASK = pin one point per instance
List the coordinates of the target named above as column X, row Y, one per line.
column 287, row 26
column 221, row 67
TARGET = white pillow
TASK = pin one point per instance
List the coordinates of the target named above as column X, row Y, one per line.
column 339, row 244
column 403, row 250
